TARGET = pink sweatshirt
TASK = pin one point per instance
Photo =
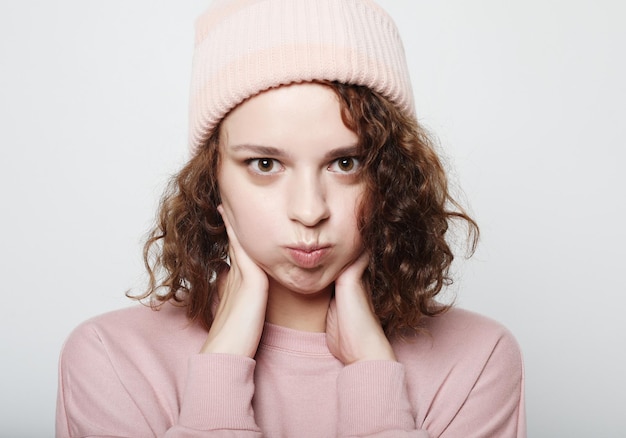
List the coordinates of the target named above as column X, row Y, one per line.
column 137, row 373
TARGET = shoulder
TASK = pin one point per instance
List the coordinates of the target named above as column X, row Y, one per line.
column 110, row 364
column 460, row 324
column 129, row 330
column 137, row 318
column 465, row 372
column 477, row 340
column 465, row 347
column 460, row 331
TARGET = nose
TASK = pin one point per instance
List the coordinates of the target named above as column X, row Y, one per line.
column 307, row 200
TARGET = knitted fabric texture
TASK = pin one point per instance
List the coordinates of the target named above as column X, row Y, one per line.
column 243, row 47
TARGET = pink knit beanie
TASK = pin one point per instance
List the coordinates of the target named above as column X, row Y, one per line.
column 243, row 47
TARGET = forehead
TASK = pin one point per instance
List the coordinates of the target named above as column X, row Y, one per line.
column 290, row 117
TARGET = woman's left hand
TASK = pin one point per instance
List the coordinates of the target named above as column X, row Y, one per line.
column 353, row 331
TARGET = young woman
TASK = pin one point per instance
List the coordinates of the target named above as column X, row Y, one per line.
column 297, row 256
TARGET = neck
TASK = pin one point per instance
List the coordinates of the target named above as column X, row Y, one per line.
column 297, row 311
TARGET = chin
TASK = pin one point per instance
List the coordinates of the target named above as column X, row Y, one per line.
column 306, row 283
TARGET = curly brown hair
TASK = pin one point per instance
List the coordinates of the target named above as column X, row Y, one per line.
column 404, row 217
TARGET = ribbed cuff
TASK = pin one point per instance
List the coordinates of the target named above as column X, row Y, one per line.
column 373, row 398
column 218, row 394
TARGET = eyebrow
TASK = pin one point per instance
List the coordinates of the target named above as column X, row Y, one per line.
column 259, row 150
column 270, row 151
column 348, row 151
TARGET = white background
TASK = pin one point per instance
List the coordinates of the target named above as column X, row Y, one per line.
column 527, row 99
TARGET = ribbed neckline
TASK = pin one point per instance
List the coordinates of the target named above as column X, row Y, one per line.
column 295, row 341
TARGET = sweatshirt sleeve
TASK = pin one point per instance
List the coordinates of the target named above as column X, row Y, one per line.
column 494, row 401
column 95, row 400
column 228, row 411
column 373, row 402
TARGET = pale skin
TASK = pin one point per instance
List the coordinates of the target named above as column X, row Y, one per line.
column 290, row 190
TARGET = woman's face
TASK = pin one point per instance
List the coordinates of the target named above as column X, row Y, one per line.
column 289, row 185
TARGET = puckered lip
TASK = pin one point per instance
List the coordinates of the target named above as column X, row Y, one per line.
column 308, row 256
column 308, row 247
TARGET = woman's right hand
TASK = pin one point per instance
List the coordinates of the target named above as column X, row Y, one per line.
column 240, row 315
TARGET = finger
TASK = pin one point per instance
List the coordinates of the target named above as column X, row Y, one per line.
column 234, row 247
column 354, row 271
column 361, row 262
column 239, row 258
column 331, row 315
column 351, row 296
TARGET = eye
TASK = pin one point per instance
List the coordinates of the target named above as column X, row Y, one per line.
column 344, row 165
column 264, row 165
